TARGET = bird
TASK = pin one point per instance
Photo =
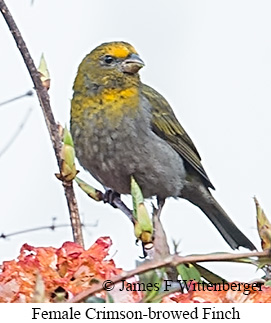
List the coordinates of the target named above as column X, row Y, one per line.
column 122, row 127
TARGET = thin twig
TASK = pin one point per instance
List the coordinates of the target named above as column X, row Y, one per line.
column 114, row 200
column 28, row 93
column 48, row 116
column 122, row 207
column 45, row 227
column 173, row 261
column 16, row 134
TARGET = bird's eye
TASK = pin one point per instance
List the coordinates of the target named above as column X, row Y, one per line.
column 108, row 59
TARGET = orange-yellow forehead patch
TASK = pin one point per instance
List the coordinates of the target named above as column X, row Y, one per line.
column 120, row 50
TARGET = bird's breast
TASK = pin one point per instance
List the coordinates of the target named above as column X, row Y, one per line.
column 114, row 151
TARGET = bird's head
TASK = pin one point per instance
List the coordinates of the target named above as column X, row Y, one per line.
column 112, row 65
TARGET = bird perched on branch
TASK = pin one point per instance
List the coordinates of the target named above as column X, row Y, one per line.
column 122, row 128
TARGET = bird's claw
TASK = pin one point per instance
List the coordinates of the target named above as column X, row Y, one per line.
column 109, row 196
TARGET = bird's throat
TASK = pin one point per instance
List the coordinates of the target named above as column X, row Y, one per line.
column 112, row 104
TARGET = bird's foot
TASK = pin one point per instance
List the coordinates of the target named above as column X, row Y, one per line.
column 110, row 196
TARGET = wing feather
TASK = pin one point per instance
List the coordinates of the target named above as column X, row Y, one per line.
column 166, row 126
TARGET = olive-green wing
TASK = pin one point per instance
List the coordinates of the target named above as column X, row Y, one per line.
column 166, row 126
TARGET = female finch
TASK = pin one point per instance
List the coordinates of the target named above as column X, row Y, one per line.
column 122, row 128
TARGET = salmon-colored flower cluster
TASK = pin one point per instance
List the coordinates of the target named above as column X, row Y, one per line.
column 67, row 270
column 52, row 275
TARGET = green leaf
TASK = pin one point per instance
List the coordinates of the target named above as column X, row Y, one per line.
column 67, row 137
column 136, row 195
column 89, row 190
column 109, row 298
column 209, row 275
column 94, row 299
column 44, row 72
column 68, row 169
column 68, row 153
column 261, row 262
column 143, row 226
column 189, row 272
column 263, row 226
column 152, row 280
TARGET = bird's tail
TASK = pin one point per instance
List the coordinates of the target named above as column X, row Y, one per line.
column 202, row 198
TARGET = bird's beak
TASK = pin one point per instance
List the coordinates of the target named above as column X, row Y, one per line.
column 132, row 64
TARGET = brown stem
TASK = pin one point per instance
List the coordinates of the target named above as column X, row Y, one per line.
column 173, row 261
column 161, row 248
column 74, row 213
column 48, row 116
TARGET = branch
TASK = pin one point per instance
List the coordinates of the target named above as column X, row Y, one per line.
column 49, row 119
column 28, row 93
column 172, row 261
column 122, row 207
column 45, row 227
column 109, row 197
column 16, row 134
